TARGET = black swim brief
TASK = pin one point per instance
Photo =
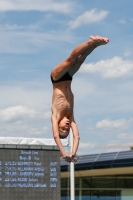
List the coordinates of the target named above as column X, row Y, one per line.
column 65, row 77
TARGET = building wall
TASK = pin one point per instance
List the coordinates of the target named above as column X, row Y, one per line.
column 111, row 187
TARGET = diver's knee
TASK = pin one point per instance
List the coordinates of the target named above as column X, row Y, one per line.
column 71, row 60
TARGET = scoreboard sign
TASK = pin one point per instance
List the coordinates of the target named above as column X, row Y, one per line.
column 29, row 174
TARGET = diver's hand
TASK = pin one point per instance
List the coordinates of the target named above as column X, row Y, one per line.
column 74, row 158
column 66, row 156
column 69, row 157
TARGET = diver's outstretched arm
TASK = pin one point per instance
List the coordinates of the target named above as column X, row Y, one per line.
column 64, row 154
column 76, row 137
column 56, row 136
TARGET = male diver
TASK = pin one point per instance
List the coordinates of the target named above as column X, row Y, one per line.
column 63, row 99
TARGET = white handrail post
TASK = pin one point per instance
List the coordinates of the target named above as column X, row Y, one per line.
column 72, row 178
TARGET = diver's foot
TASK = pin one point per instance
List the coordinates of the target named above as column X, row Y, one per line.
column 97, row 40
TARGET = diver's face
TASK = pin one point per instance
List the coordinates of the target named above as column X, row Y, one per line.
column 64, row 127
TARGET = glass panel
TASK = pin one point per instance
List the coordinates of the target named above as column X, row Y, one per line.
column 77, row 195
column 103, row 183
column 118, row 194
column 126, row 194
column 65, row 183
column 65, row 195
column 77, row 182
column 86, row 195
column 124, row 183
column 103, row 195
column 86, row 182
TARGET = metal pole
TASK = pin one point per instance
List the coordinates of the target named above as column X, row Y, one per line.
column 72, row 180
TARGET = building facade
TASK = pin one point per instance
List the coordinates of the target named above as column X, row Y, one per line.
column 107, row 176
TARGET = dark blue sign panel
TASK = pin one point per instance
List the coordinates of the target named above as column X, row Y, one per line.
column 29, row 174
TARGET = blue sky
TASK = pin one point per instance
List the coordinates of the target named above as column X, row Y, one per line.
column 37, row 35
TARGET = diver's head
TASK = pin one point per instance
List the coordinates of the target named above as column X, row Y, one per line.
column 64, row 127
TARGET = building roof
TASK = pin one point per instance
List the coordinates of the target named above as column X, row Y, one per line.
column 28, row 143
column 102, row 161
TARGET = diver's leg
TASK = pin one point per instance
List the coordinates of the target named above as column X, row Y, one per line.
column 70, row 62
column 81, row 58
column 65, row 65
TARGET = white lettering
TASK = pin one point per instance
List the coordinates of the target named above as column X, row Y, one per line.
column 25, row 158
column 53, row 163
column 39, row 174
column 37, row 163
column 35, row 152
column 25, row 152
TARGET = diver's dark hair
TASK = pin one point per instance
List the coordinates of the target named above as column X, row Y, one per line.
column 62, row 137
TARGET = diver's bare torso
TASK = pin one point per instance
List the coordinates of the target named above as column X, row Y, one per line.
column 62, row 100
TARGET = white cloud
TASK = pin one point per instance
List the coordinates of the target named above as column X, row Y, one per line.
column 20, row 121
column 26, row 39
column 84, row 145
column 122, row 21
column 20, row 113
column 30, row 95
column 126, row 136
column 35, row 132
column 40, row 5
column 82, row 83
column 110, row 68
column 85, row 148
column 88, row 17
column 116, row 145
column 119, row 124
column 91, row 128
column 127, row 53
column 25, row 110
column 124, row 141
column 16, row 113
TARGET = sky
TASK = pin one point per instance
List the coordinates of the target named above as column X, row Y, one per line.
column 35, row 36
